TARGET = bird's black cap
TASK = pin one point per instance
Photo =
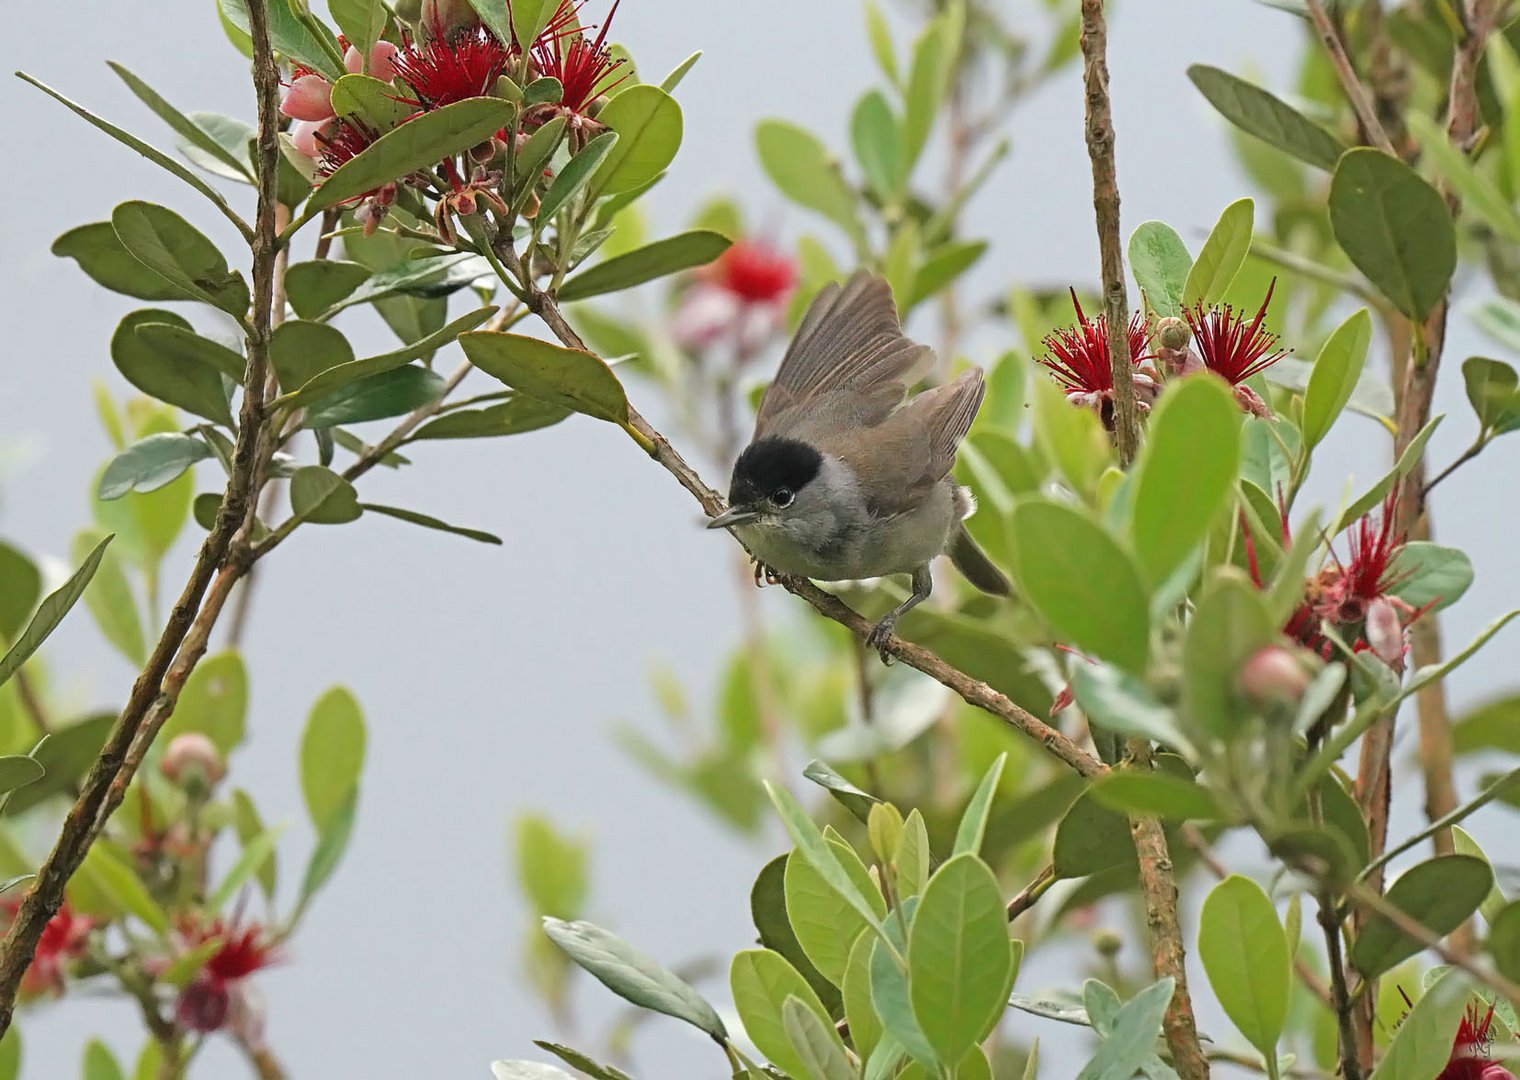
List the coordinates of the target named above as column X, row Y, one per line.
column 769, row 464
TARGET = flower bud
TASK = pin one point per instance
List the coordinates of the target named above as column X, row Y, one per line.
column 307, row 135
column 1385, row 633
column 1173, row 333
column 1496, row 1072
column 204, row 1004
column 308, row 98
column 1107, row 943
column 440, row 18
column 1273, row 676
column 382, row 61
column 193, row 761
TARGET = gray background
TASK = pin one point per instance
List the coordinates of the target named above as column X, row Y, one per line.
column 491, row 677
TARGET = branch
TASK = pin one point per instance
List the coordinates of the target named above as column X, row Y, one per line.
column 1360, row 100
column 1030, row 894
column 45, row 896
column 1100, row 150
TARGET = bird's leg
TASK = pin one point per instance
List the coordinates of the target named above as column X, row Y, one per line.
column 923, row 584
column 771, row 577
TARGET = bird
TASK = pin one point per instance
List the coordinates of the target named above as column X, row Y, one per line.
column 843, row 479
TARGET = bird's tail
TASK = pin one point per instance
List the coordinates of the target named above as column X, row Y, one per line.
column 972, row 561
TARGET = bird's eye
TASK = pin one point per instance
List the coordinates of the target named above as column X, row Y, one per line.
column 782, row 497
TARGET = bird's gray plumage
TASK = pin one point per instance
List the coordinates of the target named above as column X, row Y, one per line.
column 843, row 479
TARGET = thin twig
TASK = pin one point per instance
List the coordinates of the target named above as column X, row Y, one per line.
column 1462, row 459
column 1446, row 821
column 1350, row 1037
column 1030, row 894
column 1100, row 151
column 45, row 896
column 1356, row 93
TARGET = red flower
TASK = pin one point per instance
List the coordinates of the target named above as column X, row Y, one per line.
column 452, row 67
column 754, row 272
column 1078, row 356
column 207, row 1002
column 1469, row 1050
column 1229, row 347
column 582, row 66
column 63, row 939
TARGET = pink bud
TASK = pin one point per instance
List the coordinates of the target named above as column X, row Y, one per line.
column 304, row 136
column 1385, row 633
column 441, row 18
column 308, row 98
column 1496, row 1072
column 204, row 1004
column 1250, row 401
column 1273, row 676
column 192, row 758
column 382, row 61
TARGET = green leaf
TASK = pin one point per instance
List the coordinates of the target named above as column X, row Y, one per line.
column 815, row 1042
column 1246, row 956
column 1090, row 839
column 891, row 995
column 314, row 287
column 99, row 1063
column 854, row 800
column 51, row 611
column 1136, row 1028
column 1336, row 372
column 877, row 141
column 859, row 1013
column 648, row 124
column 551, row 867
column 332, row 755
column 577, row 171
column 761, row 982
column 301, row 350
column 633, row 976
column 322, row 497
column 1231, row 621
column 1132, row 791
column 1422, row 1043
column 973, row 825
column 178, row 252
column 1266, row 116
column 1081, row 582
column 255, row 854
column 344, row 374
column 418, row 144
column 659, row 259
column 579, row 1061
column 375, row 397
column 1395, row 228
column 1071, row 439
column 824, row 921
column 801, row 168
column 362, row 22
column 1480, row 195
column 806, row 835
column 1428, row 573
column 158, row 157
column 929, row 76
column 536, row 150
column 181, row 124
column 518, row 414
column 113, row 875
column 677, row 73
column 150, row 464
column 767, row 903
column 1504, row 940
column 288, row 35
column 249, row 829
column 1122, row 704
column 569, row 378
column 214, row 702
column 1186, row 473
column 1160, row 262
column 1440, row 893
column 160, row 374
column 331, row 844
column 1490, row 388
column 880, row 33
column 1374, row 496
column 1464, row 844
column 528, row 18
column 527, row 1070
column 177, row 344
column 100, row 254
column 943, row 265
column 430, row 277
column 1222, row 255
column 110, row 598
column 427, row 522
column 17, row 770
column 1493, row 725
column 959, row 957
column 20, row 586
column 65, row 756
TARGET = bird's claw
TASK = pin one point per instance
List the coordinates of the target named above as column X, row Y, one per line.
column 878, row 636
column 762, row 571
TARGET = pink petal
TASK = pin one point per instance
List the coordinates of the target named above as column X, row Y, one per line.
column 382, row 61
column 308, row 98
column 303, row 136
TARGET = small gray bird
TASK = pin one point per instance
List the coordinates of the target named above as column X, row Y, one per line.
column 843, row 479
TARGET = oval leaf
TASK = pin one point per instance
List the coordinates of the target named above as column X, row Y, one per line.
column 659, row 259
column 332, row 755
column 1335, row 375
column 570, row 378
column 1266, row 116
column 1222, row 255
column 1160, row 262
column 648, row 124
column 1245, row 954
column 178, row 252
column 1441, row 893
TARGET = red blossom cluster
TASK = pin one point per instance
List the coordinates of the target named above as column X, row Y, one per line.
column 64, row 940
column 218, row 994
column 740, row 297
column 1227, row 345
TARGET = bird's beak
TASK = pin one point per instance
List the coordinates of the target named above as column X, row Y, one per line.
column 734, row 515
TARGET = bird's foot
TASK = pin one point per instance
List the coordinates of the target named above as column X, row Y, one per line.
column 762, row 571
column 879, row 634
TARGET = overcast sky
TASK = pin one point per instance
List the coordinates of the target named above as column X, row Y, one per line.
column 492, row 677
